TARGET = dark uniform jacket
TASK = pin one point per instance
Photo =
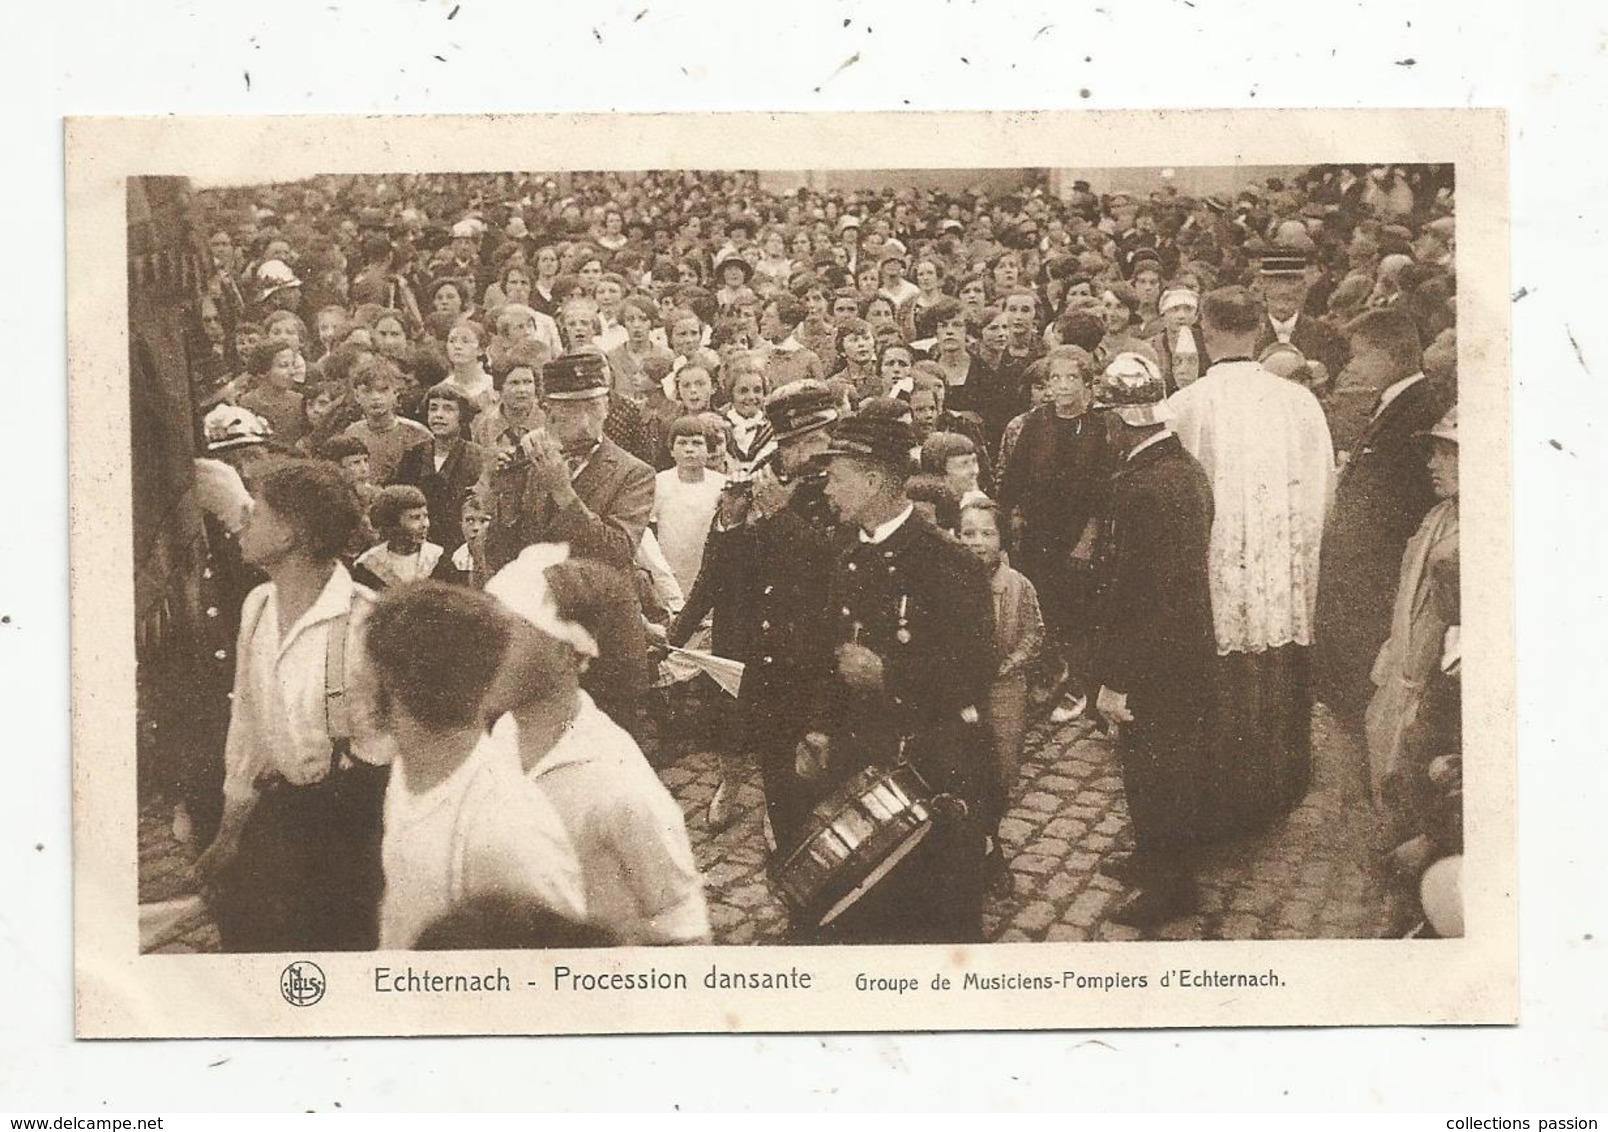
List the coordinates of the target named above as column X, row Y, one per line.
column 765, row 583
column 924, row 606
column 1155, row 641
column 1383, row 494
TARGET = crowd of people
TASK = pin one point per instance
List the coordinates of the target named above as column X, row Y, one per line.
column 498, row 471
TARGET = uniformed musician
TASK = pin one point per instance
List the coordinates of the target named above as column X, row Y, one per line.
column 911, row 618
column 764, row 576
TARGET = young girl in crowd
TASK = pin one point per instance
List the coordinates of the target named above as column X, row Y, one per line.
column 745, row 415
column 401, row 516
column 1018, row 637
column 449, row 465
column 685, row 497
column 275, row 398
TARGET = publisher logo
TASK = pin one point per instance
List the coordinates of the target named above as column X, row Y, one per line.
column 302, row 983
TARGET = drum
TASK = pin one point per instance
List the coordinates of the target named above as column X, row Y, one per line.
column 857, row 836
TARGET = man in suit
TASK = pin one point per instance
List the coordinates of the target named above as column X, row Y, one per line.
column 911, row 616
column 1383, row 494
column 570, row 483
column 1155, row 645
column 1283, row 283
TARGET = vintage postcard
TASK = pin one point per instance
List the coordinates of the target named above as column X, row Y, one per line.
column 609, row 574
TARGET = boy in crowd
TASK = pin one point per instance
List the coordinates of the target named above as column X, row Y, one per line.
column 377, row 384
column 467, row 564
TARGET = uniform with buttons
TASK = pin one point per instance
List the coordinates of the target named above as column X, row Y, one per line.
column 923, row 606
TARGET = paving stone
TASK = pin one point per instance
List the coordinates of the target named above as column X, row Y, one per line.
column 1032, row 863
column 1014, row 831
column 749, row 895
column 1066, row 933
column 1035, row 917
column 1086, row 909
column 1118, row 933
column 1068, row 829
column 1060, row 887
column 1041, row 802
column 1051, row 847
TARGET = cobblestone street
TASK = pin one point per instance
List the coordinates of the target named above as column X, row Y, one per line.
column 1311, row 876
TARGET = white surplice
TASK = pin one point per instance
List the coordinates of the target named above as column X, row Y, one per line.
column 1265, row 446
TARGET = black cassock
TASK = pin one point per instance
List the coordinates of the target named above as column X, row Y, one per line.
column 1156, row 642
column 923, row 605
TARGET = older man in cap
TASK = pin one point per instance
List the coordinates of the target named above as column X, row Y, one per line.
column 764, row 576
column 1265, row 446
column 1284, row 284
column 911, row 617
column 1154, row 650
column 569, row 483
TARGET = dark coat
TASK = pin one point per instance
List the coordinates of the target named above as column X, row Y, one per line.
column 924, row 606
column 766, row 585
column 1383, row 494
column 1058, row 487
column 1315, row 338
column 615, row 492
column 1155, row 641
column 444, row 489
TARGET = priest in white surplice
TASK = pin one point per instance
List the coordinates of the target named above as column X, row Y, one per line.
column 1265, row 446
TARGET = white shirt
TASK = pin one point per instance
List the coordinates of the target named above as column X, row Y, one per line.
column 641, row 880
column 484, row 830
column 1396, row 390
column 279, row 723
column 1284, row 330
column 886, row 531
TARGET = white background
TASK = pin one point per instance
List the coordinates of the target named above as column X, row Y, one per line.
column 1547, row 63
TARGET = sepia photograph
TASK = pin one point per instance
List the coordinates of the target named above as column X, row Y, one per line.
column 560, row 559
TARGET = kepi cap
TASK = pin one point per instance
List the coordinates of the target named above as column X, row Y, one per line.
column 580, row 376
column 800, row 407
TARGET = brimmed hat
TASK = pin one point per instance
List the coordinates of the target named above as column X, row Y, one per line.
column 848, row 220
column 1132, row 387
column 877, row 439
column 576, row 377
column 275, row 276
column 800, row 407
column 230, row 426
column 735, row 259
column 1445, row 428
